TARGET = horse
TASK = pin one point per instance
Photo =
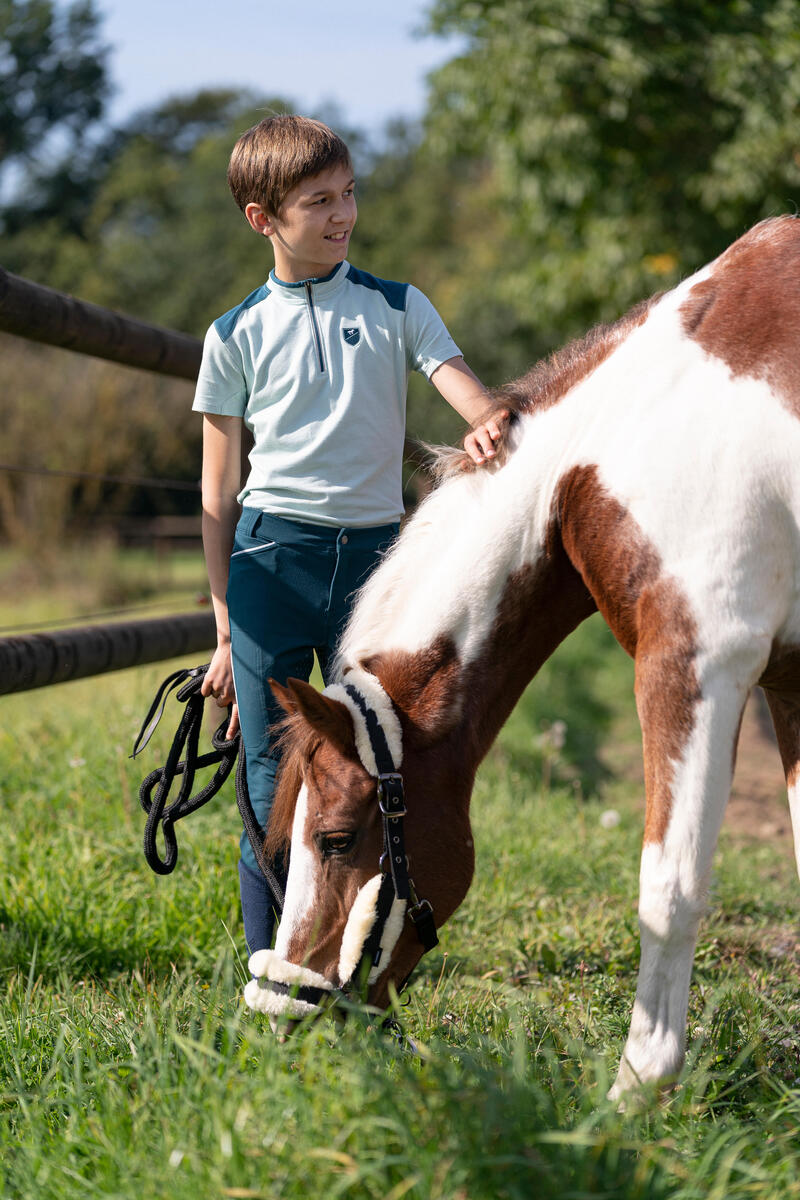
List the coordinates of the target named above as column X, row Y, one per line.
column 652, row 474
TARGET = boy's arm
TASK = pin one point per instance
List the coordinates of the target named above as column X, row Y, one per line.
column 222, row 472
column 462, row 389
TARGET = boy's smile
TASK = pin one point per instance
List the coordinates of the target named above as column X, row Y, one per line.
column 312, row 232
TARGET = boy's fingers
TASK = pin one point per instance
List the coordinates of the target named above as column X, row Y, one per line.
column 233, row 726
column 484, row 439
column 473, row 449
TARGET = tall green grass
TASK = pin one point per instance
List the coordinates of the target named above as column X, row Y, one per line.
column 129, row 1067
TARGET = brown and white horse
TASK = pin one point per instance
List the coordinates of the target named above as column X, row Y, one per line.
column 653, row 474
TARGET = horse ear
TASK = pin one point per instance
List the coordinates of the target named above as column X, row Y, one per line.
column 424, row 688
column 329, row 718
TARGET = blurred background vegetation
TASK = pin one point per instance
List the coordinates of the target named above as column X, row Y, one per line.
column 576, row 156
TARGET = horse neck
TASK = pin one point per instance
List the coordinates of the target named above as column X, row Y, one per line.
column 540, row 605
column 451, row 706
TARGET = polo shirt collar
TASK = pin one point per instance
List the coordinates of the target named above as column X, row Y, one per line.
column 322, row 285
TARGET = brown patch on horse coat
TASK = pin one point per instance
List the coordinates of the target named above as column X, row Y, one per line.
column 522, row 641
column 423, row 686
column 650, row 617
column 747, row 312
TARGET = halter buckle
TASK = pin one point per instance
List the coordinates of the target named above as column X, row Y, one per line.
column 391, row 799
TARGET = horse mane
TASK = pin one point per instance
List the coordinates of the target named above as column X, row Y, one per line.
column 544, row 384
column 296, row 742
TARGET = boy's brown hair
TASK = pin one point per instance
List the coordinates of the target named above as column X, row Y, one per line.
column 278, row 153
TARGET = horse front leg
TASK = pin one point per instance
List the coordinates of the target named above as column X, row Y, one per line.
column 690, row 729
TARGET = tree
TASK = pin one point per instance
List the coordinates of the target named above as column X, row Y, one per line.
column 629, row 140
column 53, row 90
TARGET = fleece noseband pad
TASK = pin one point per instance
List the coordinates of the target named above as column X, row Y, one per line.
column 372, row 930
column 283, row 989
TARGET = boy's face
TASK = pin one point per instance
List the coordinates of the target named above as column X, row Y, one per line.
column 312, row 233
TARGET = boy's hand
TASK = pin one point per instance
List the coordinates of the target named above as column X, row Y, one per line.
column 482, row 443
column 219, row 684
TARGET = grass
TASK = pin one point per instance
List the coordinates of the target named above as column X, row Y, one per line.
column 129, row 1067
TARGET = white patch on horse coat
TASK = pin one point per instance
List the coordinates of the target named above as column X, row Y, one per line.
column 359, row 923
column 301, row 887
column 379, row 702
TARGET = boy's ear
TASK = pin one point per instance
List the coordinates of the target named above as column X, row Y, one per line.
column 259, row 220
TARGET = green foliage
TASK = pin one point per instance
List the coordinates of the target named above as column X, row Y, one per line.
column 53, row 90
column 629, row 143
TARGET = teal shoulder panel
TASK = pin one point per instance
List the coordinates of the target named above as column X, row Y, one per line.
column 226, row 324
column 394, row 293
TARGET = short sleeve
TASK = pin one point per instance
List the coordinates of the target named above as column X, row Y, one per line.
column 428, row 343
column 220, row 384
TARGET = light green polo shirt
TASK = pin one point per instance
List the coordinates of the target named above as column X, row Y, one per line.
column 318, row 370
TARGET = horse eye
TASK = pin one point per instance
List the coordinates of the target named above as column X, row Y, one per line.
column 335, row 843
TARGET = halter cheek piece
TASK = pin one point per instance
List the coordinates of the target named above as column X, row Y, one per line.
column 396, row 883
column 375, row 921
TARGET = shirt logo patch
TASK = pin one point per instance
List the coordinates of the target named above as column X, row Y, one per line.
column 351, row 335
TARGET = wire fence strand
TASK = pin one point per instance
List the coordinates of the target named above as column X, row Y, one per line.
column 178, row 485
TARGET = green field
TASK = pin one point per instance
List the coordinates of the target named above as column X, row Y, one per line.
column 129, row 1067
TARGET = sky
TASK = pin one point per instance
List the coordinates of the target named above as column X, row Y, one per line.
column 366, row 56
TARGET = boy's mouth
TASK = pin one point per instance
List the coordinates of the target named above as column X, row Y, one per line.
column 337, row 237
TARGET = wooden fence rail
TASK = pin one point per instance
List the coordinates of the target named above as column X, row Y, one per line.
column 44, row 315
column 39, row 659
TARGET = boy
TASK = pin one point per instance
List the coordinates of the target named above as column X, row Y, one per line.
column 315, row 363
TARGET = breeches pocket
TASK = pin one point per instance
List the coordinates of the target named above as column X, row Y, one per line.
column 257, row 549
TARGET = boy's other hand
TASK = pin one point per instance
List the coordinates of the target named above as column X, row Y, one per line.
column 483, row 442
column 219, row 684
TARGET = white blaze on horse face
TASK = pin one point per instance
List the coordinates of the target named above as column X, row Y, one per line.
column 301, row 884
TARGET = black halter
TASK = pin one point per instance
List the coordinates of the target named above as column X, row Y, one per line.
column 394, row 860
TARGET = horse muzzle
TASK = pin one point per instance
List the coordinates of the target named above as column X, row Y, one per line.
column 287, row 991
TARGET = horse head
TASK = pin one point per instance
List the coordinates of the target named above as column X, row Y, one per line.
column 373, row 800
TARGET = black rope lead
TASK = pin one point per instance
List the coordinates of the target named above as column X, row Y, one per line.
column 156, row 787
